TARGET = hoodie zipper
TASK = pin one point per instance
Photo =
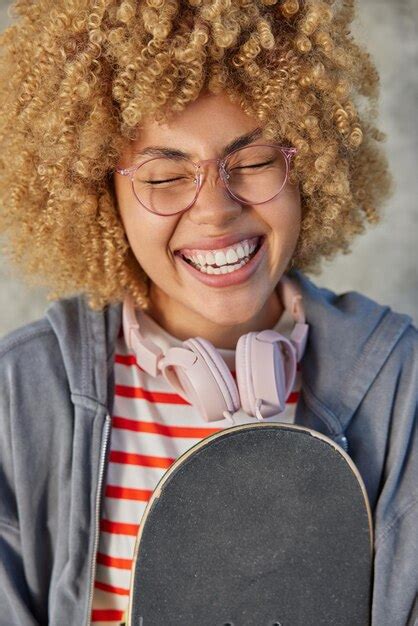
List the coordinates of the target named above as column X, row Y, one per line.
column 103, row 452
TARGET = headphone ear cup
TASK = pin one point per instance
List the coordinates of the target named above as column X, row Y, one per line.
column 225, row 386
column 244, row 374
column 265, row 375
column 205, row 382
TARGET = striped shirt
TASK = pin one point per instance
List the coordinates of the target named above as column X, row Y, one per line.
column 151, row 427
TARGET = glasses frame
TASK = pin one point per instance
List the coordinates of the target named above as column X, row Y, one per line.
column 287, row 152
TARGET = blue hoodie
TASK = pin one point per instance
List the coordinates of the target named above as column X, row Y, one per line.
column 358, row 386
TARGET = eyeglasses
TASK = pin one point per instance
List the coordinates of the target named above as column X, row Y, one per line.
column 252, row 175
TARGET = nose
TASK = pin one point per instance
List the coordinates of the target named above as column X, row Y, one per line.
column 214, row 205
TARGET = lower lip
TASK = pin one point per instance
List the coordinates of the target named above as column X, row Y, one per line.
column 226, row 280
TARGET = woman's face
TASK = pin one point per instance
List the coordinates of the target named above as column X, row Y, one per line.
column 183, row 299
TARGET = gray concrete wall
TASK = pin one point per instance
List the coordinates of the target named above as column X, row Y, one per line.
column 384, row 261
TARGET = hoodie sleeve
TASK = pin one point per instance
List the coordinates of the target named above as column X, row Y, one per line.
column 14, row 593
column 395, row 593
column 18, row 602
column 15, row 600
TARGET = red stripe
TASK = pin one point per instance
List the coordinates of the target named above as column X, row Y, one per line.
column 111, row 589
column 162, row 429
column 160, row 396
column 129, row 458
column 152, row 396
column 130, row 360
column 168, row 398
column 125, row 359
column 106, row 615
column 112, row 561
column 119, row 528
column 126, row 493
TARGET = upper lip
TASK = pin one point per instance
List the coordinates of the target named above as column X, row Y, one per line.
column 214, row 243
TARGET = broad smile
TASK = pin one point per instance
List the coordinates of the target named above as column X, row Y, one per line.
column 233, row 275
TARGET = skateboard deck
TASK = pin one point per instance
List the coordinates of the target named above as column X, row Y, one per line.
column 258, row 524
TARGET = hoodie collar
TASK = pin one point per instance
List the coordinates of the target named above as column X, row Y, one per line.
column 87, row 341
column 350, row 337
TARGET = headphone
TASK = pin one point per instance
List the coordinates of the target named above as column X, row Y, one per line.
column 265, row 362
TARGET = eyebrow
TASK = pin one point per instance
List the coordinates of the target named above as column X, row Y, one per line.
column 173, row 153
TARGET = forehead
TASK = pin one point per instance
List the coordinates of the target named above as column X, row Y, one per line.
column 210, row 124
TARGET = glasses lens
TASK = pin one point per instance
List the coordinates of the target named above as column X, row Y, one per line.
column 254, row 175
column 164, row 185
column 257, row 173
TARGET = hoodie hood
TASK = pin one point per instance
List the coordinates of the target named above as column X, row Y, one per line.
column 350, row 338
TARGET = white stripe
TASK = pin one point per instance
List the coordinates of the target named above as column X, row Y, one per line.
column 110, row 600
column 144, row 410
column 150, row 444
column 118, row 546
column 133, row 476
column 115, row 577
column 125, row 511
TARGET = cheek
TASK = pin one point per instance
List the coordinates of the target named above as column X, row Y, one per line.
column 284, row 220
column 148, row 235
column 149, row 238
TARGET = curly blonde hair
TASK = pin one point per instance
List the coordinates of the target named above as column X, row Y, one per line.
column 78, row 77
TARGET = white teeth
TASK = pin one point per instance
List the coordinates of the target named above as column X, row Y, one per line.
column 220, row 259
column 231, row 256
column 210, row 258
column 223, row 261
column 240, row 251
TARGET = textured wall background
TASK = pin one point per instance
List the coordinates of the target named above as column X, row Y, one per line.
column 384, row 261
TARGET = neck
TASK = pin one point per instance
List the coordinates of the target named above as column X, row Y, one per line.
column 183, row 323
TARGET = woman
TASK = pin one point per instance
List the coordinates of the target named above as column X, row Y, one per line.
column 108, row 111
